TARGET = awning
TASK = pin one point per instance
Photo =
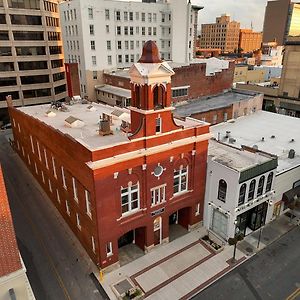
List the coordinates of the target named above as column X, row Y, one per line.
column 291, row 195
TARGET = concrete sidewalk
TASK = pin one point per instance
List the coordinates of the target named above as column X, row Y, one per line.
column 185, row 266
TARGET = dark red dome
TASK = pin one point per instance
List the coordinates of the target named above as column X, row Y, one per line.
column 150, row 53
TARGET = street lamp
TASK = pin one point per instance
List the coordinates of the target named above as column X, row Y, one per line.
column 238, row 236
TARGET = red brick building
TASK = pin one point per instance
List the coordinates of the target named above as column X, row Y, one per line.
column 203, row 78
column 126, row 177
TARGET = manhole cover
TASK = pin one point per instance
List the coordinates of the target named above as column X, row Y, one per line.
column 123, row 286
column 266, row 239
column 248, row 249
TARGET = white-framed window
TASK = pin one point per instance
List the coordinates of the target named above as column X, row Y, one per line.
column 92, row 29
column 46, row 160
column 63, row 177
column 94, row 60
column 109, row 249
column 107, row 17
column 130, row 198
column 28, row 157
column 50, row 186
column 78, row 221
column 39, row 151
column 107, row 28
column 88, row 203
column 57, row 196
column 108, row 45
column 158, row 195
column 67, row 208
column 93, row 244
column 95, row 75
column 43, row 177
column 23, row 151
column 54, row 167
column 180, row 180
column 75, row 193
column 90, row 13
column 93, row 45
column 31, row 142
column 158, row 124
column 19, row 127
column 109, row 59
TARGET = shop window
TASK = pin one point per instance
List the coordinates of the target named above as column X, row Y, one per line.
column 251, row 190
column 242, row 194
column 269, row 182
column 222, row 190
column 260, row 187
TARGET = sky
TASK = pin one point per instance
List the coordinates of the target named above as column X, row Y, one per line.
column 243, row 11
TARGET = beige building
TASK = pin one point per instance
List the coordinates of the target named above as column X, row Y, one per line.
column 243, row 73
column 249, row 40
column 223, row 34
column 31, row 55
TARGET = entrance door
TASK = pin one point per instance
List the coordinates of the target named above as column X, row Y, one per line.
column 157, row 230
column 127, row 238
column 173, row 219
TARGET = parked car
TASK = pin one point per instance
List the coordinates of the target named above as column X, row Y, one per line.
column 6, row 126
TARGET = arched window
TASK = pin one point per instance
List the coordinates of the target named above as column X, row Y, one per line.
column 269, row 182
column 242, row 194
column 138, row 96
column 251, row 190
column 260, row 187
column 222, row 190
column 158, row 96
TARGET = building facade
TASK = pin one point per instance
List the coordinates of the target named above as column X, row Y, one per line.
column 155, row 178
column 282, row 19
column 14, row 283
column 249, row 40
column 249, row 74
column 223, row 34
column 239, row 189
column 101, row 35
column 31, row 53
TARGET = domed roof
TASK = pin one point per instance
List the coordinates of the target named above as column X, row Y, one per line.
column 150, row 53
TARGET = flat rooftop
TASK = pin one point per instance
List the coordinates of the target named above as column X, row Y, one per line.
column 89, row 114
column 273, row 133
column 235, row 158
column 200, row 105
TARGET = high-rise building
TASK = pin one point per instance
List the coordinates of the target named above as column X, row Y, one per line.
column 31, row 54
column 282, row 21
column 223, row 34
column 249, row 40
column 101, row 35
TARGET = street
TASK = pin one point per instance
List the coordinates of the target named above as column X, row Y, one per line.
column 274, row 273
column 58, row 267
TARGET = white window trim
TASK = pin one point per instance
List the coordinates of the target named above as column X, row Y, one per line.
column 32, row 146
column 129, row 193
column 109, row 246
column 57, row 196
column 88, row 203
column 197, row 213
column 36, row 169
column 50, row 186
column 93, row 244
column 78, row 221
column 63, row 177
column 68, row 208
column 46, row 159
column 43, row 177
column 187, row 181
column 75, row 189
column 54, row 167
column 158, row 190
column 39, row 151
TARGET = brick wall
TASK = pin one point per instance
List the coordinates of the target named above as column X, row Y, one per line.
column 209, row 115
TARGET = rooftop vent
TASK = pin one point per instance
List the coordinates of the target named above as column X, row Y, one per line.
column 74, row 122
column 232, row 140
column 292, row 141
column 292, row 154
column 227, row 134
column 91, row 108
column 104, row 125
column 50, row 113
column 272, row 136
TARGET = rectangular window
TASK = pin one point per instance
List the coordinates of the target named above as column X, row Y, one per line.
column 63, row 177
column 57, row 196
column 118, row 15
column 158, row 195
column 107, row 14
column 119, row 45
column 126, row 30
column 107, row 28
column 93, row 46
column 108, row 45
column 46, row 160
column 131, row 30
column 93, row 244
column 131, row 45
column 67, row 208
column 131, row 16
column 88, row 203
column 180, row 180
column 130, row 201
column 158, row 125
column 143, row 17
column 109, row 250
column 78, row 221
column 143, row 31
column 126, row 45
column 118, row 30
column 94, row 61
column 109, row 59
column 50, row 185
column 92, row 30
column 125, row 16
column 95, row 75
column 119, row 59
column 75, row 192
column 90, row 13
column 39, row 152
column 54, row 167
column 149, row 30
column 43, row 177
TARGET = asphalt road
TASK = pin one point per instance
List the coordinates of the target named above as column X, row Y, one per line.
column 273, row 273
column 58, row 267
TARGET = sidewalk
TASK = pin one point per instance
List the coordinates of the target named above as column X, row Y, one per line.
column 184, row 267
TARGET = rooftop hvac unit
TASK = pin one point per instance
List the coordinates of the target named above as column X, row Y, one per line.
column 104, row 125
column 232, row 140
column 292, row 154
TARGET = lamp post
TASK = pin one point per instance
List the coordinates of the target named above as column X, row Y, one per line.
column 233, row 241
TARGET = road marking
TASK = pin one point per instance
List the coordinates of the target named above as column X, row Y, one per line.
column 294, row 295
column 36, row 233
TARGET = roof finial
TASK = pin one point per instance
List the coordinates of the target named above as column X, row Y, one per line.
column 150, row 53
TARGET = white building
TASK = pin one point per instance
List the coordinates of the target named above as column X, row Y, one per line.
column 271, row 71
column 272, row 55
column 273, row 133
column 239, row 189
column 102, row 34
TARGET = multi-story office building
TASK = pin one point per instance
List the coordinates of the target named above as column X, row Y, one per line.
column 31, row 55
column 223, row 34
column 103, row 35
column 154, row 180
column 249, row 40
column 282, row 21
